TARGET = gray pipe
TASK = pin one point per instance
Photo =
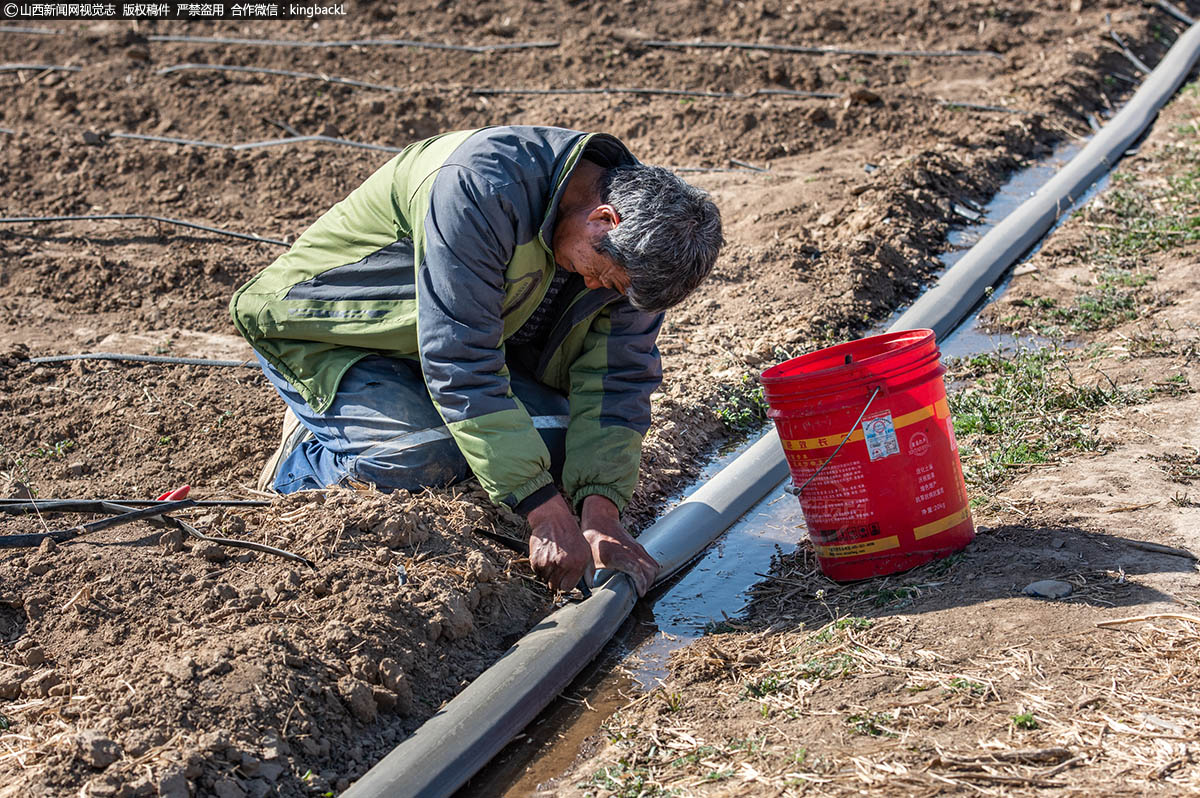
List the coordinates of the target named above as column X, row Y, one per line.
column 959, row 290
column 452, row 745
column 455, row 743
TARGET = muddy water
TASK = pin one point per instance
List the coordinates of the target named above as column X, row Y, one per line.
column 714, row 588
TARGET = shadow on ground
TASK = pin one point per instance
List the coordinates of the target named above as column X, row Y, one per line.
column 1103, row 571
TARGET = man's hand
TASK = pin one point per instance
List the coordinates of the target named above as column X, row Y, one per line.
column 612, row 546
column 558, row 551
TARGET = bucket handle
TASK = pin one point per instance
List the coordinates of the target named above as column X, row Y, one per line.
column 792, row 489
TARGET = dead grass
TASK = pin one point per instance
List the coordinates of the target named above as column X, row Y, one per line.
column 1103, row 709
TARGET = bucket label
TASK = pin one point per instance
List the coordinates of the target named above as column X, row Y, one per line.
column 880, row 436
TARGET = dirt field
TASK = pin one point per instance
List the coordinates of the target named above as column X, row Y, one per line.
column 1084, row 459
column 131, row 665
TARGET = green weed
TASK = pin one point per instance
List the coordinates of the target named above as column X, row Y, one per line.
column 827, row 634
column 872, row 725
column 1025, row 720
column 886, row 596
column 960, row 685
column 771, row 683
column 703, row 752
column 1181, row 468
column 56, row 451
column 743, row 408
column 833, row 666
column 1026, row 408
column 625, row 781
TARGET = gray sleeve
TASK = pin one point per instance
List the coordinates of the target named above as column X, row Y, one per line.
column 470, row 234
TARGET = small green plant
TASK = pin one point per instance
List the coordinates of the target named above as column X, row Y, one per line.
column 827, row 634
column 960, row 685
column 872, row 725
column 887, row 596
column 673, row 702
column 1025, row 720
column 939, row 568
column 1026, row 408
column 625, row 781
column 743, row 407
column 764, row 710
column 701, row 753
column 1175, row 385
column 164, row 440
column 771, row 683
column 832, row 666
column 5, row 723
column 57, row 451
column 1181, row 468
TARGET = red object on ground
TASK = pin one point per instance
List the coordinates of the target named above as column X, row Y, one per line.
column 893, row 498
column 175, row 495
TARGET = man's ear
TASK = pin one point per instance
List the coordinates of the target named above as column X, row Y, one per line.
column 605, row 216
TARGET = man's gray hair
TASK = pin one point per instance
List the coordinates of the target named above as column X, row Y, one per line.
column 668, row 236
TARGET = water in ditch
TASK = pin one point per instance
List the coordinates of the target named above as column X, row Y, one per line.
column 715, row 587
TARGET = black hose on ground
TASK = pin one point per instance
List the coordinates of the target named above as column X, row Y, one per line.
column 280, row 72
column 31, row 506
column 817, row 50
column 39, row 68
column 176, row 361
column 153, row 512
column 252, row 145
column 104, row 217
column 125, row 515
column 463, row 48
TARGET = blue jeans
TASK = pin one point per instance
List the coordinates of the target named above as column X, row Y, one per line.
column 383, row 429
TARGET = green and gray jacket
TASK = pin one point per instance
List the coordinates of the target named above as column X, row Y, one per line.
column 441, row 255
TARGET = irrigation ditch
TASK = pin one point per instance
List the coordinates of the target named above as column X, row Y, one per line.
column 440, row 756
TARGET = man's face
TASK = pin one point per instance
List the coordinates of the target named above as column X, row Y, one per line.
column 574, row 245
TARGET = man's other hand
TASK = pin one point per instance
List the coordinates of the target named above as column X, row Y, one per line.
column 558, row 552
column 612, row 546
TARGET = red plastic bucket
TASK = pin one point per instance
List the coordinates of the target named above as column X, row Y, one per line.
column 893, row 497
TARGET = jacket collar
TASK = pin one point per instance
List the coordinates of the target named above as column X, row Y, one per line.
column 600, row 147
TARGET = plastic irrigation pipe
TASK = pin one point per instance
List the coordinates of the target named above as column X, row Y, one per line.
column 959, row 290
column 452, row 745
column 39, row 68
column 141, row 217
column 120, row 356
column 464, row 48
column 815, row 50
column 251, row 145
column 717, row 95
column 362, row 84
column 1175, row 12
column 455, row 743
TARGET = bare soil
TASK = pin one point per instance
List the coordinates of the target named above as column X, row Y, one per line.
column 131, row 665
column 950, row 679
